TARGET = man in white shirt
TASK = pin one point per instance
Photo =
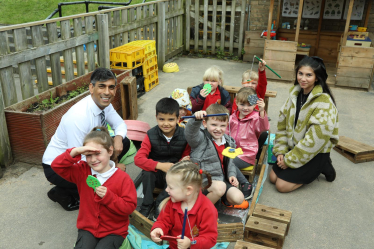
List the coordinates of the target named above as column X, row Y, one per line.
column 93, row 110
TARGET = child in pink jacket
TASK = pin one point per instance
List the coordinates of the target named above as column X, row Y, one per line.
column 246, row 125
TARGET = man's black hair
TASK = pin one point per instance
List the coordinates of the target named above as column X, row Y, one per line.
column 167, row 106
column 102, row 74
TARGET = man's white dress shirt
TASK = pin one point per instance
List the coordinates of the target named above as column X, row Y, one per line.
column 77, row 122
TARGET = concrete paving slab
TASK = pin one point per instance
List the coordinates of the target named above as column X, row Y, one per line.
column 325, row 215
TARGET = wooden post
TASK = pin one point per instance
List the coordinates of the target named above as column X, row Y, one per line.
column 90, row 47
column 223, row 24
column 40, row 63
column 161, row 35
column 68, row 55
column 214, row 27
column 24, row 68
column 298, row 20
column 367, row 14
column 232, row 27
column 79, row 51
column 55, row 57
column 6, row 75
column 103, row 29
column 188, row 23
column 197, row 17
column 270, row 18
column 241, row 31
column 319, row 26
column 279, row 13
column 349, row 14
column 205, row 27
column 7, row 82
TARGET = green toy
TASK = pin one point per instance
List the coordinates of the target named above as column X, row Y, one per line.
column 92, row 182
column 208, row 88
column 268, row 67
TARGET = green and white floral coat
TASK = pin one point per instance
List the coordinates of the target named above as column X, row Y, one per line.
column 316, row 130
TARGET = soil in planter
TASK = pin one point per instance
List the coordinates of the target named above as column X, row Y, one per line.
column 47, row 104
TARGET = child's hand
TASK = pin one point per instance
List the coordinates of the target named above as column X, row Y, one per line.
column 234, row 182
column 261, row 65
column 84, row 150
column 186, row 158
column 261, row 105
column 156, row 234
column 101, row 191
column 184, row 243
column 164, row 166
column 204, row 93
column 200, row 115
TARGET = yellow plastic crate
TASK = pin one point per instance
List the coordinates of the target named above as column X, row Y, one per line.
column 150, row 65
column 126, row 57
column 150, row 55
column 148, row 45
column 150, row 81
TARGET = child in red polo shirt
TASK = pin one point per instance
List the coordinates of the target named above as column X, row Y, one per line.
column 202, row 98
column 104, row 212
column 256, row 81
column 184, row 182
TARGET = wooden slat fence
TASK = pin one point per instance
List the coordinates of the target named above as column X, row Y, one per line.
column 212, row 24
column 27, row 49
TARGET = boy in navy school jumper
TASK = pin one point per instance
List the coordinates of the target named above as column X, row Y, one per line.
column 163, row 146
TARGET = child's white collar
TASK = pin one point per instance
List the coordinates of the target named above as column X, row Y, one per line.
column 223, row 141
column 106, row 175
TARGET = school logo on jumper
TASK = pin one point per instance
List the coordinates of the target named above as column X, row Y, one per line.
column 195, row 231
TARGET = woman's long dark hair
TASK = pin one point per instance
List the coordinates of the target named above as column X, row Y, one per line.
column 319, row 69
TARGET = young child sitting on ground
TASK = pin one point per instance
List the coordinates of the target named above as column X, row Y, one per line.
column 103, row 216
column 255, row 81
column 183, row 99
column 163, row 146
column 207, row 144
column 201, row 98
column 184, row 183
column 246, row 125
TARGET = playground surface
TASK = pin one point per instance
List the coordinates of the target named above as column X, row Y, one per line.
column 324, row 215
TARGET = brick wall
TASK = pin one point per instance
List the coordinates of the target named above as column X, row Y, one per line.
column 259, row 14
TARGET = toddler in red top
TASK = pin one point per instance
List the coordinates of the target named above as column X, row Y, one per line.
column 184, row 183
column 255, row 81
column 103, row 217
column 202, row 98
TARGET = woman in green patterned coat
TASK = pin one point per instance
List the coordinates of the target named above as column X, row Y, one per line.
column 307, row 129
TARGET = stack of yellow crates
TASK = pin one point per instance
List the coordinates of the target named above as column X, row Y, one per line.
column 139, row 56
column 150, row 68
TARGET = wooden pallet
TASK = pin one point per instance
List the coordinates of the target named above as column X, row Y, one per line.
column 355, row 151
column 240, row 244
column 129, row 93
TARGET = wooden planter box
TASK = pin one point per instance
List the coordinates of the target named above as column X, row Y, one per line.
column 30, row 133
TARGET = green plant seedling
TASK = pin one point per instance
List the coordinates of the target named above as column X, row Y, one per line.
column 208, row 88
column 92, row 182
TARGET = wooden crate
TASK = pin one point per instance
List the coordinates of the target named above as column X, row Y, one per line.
column 281, row 56
column 253, row 45
column 355, row 151
column 275, row 214
column 240, row 244
column 355, row 67
column 265, row 232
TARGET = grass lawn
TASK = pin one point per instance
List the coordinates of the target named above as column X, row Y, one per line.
column 23, row 11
